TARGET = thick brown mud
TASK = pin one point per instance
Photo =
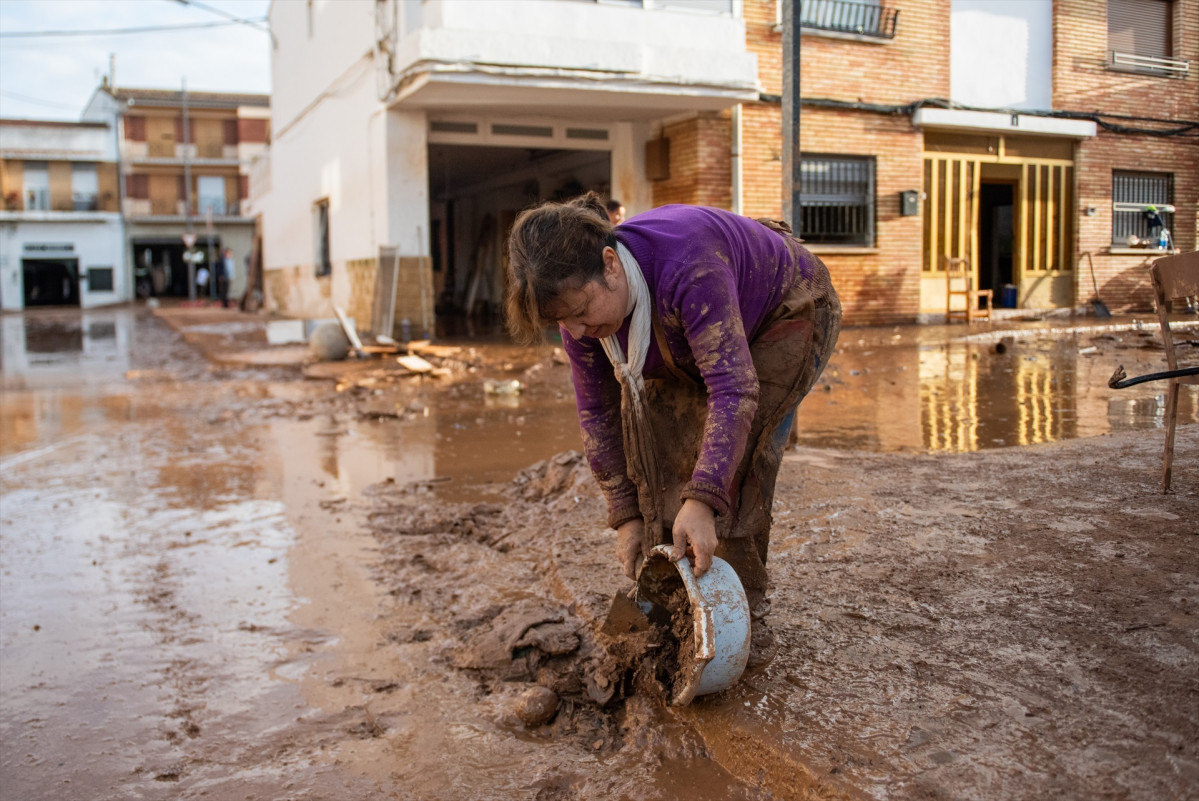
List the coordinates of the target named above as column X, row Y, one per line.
column 221, row 580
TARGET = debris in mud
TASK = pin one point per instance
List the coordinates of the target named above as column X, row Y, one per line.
column 551, row 477
column 511, row 387
column 518, row 639
column 537, row 706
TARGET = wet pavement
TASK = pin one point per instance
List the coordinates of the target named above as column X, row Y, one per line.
column 191, row 603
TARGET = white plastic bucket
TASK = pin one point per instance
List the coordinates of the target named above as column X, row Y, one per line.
column 720, row 612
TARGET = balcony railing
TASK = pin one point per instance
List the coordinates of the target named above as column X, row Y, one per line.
column 845, row 16
column 37, row 200
column 162, row 207
column 1153, row 65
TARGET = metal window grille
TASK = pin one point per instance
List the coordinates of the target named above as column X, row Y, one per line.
column 837, row 200
column 1144, row 189
column 845, row 16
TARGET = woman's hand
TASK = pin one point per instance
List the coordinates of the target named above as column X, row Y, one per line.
column 630, row 539
column 695, row 531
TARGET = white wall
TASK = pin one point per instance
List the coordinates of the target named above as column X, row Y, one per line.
column 1001, row 53
column 697, row 48
column 329, row 140
column 51, row 142
column 407, row 176
column 97, row 242
column 309, row 60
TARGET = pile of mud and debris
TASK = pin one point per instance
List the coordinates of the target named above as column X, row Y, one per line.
column 578, row 662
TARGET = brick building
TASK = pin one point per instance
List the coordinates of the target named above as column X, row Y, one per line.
column 1025, row 181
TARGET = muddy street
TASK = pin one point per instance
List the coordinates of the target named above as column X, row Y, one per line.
column 220, row 579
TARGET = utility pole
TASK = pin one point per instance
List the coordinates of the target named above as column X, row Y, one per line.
column 189, row 238
column 792, row 15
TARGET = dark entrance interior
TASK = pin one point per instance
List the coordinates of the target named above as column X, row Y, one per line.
column 995, row 236
column 51, row 282
column 158, row 266
column 476, row 192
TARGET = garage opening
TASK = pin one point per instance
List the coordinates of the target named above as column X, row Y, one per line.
column 160, row 270
column 476, row 193
column 51, row 281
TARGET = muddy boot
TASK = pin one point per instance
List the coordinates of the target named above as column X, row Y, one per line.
column 762, row 646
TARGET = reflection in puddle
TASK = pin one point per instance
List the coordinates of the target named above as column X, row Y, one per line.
column 962, row 396
column 85, row 345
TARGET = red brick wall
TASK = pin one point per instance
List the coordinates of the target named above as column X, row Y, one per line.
column 877, row 285
column 881, row 285
column 700, row 163
column 1082, row 82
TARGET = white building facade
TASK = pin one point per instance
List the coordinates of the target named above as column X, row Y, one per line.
column 408, row 134
column 61, row 231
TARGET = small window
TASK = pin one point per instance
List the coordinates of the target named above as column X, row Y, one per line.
column 837, row 200
column 504, row 129
column 324, row 264
column 99, row 279
column 599, row 134
column 855, row 17
column 85, row 187
column 1140, row 37
column 449, row 126
column 211, row 191
column 1136, row 198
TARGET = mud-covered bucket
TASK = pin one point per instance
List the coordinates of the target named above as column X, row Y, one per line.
column 720, row 616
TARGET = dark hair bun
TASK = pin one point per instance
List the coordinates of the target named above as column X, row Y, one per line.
column 591, row 202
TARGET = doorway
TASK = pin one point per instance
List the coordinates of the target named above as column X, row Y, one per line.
column 476, row 192
column 51, row 281
column 995, row 236
column 159, row 268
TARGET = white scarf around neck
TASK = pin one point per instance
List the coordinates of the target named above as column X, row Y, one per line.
column 639, row 329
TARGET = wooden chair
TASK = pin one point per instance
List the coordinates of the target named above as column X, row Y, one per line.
column 959, row 282
column 1175, row 278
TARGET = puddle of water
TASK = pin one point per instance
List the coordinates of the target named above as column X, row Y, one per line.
column 189, row 609
column 964, row 396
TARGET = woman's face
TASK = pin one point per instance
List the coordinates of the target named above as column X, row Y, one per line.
column 598, row 308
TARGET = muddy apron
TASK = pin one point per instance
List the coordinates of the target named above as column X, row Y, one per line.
column 789, row 353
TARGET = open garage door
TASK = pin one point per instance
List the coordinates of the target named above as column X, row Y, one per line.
column 51, row 281
column 476, row 192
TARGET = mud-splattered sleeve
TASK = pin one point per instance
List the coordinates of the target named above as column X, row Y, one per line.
column 597, row 397
column 706, row 305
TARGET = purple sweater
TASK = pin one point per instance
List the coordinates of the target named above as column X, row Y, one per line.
column 714, row 277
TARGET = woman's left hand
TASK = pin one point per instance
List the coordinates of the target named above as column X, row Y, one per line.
column 695, row 531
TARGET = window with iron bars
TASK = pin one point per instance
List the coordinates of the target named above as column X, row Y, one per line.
column 1141, row 189
column 857, row 17
column 837, row 200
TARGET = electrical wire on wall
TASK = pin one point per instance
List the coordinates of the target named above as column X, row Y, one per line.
column 1185, row 128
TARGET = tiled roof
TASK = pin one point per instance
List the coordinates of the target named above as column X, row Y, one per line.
column 14, row 121
column 172, row 97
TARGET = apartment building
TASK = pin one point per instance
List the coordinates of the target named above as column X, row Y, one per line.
column 60, row 224
column 1030, row 137
column 184, row 164
column 1017, row 134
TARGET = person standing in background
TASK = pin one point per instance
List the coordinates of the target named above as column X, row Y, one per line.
column 224, row 276
column 615, row 211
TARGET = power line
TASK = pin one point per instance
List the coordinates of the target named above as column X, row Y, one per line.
column 38, row 101
column 221, row 13
column 121, row 31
